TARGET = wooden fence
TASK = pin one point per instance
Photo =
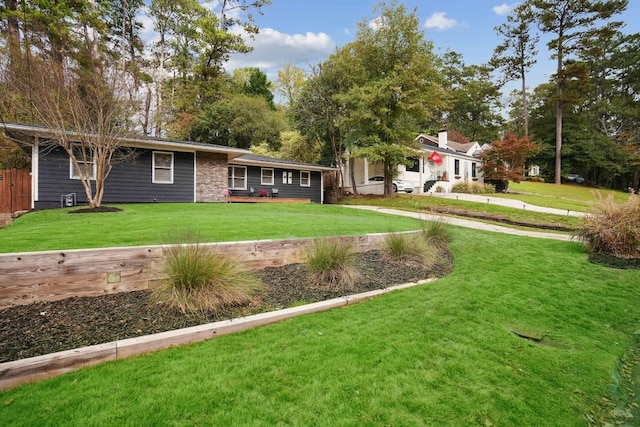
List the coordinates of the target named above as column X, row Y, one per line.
column 15, row 190
column 54, row 275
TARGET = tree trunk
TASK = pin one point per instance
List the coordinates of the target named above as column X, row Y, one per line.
column 13, row 30
column 559, row 82
column 352, row 176
column 525, row 104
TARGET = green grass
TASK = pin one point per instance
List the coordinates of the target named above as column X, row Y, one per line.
column 438, row 354
column 149, row 224
column 567, row 196
column 419, row 203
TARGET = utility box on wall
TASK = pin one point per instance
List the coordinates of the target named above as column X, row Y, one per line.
column 68, row 200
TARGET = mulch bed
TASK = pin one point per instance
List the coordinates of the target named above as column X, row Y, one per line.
column 42, row 328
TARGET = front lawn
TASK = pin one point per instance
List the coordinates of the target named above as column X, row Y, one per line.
column 150, row 224
column 438, row 354
column 424, row 203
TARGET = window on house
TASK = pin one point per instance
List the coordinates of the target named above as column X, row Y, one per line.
column 162, row 168
column 266, row 176
column 287, row 177
column 456, row 167
column 414, row 165
column 237, row 177
column 473, row 170
column 85, row 161
column 305, row 179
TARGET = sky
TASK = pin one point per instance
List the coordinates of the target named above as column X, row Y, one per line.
column 306, row 32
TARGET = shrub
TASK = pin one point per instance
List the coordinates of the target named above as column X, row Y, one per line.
column 332, row 264
column 613, row 229
column 473, row 188
column 409, row 248
column 198, row 279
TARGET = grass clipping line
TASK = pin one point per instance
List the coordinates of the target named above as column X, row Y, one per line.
column 199, row 280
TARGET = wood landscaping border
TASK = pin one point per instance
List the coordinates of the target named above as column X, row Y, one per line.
column 54, row 275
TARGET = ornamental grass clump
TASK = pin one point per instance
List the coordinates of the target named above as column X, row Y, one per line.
column 473, row 188
column 332, row 264
column 436, row 233
column 404, row 247
column 200, row 280
column 613, row 229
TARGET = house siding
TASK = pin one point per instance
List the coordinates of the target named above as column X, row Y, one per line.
column 129, row 182
column 293, row 190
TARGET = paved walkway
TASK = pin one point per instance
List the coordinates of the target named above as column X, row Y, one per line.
column 466, row 223
column 511, row 203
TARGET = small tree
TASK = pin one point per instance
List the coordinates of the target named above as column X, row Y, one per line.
column 506, row 159
column 84, row 111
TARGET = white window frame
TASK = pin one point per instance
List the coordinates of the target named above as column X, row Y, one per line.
column 233, row 175
column 154, row 178
column 268, row 180
column 308, row 179
column 287, row 177
column 73, row 173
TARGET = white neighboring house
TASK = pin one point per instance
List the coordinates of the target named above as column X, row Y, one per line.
column 458, row 162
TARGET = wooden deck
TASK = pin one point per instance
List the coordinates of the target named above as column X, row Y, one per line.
column 243, row 199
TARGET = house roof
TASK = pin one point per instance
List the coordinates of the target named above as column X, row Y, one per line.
column 253, row 160
column 428, row 142
column 139, row 141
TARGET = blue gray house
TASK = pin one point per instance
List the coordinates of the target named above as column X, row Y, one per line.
column 165, row 170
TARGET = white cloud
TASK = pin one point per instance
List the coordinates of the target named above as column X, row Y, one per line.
column 273, row 49
column 439, row 21
column 503, row 9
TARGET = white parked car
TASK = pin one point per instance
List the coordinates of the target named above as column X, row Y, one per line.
column 398, row 185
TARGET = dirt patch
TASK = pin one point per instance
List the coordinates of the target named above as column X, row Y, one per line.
column 42, row 328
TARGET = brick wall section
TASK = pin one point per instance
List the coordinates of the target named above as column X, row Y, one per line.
column 211, row 177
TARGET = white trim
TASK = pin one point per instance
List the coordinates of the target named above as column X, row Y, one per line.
column 154, row 180
column 273, row 176
column 195, row 177
column 35, row 169
column 308, row 184
column 232, row 177
column 92, row 161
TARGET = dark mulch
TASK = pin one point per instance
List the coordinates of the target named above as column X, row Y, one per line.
column 41, row 328
column 99, row 209
column 614, row 261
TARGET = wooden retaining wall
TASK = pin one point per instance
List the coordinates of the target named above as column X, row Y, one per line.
column 53, row 275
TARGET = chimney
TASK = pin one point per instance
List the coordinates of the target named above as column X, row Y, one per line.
column 442, row 138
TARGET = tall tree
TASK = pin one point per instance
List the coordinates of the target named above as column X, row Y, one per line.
column 259, row 85
column 225, row 39
column 393, row 88
column 318, row 112
column 572, row 24
column 289, row 84
column 516, row 54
